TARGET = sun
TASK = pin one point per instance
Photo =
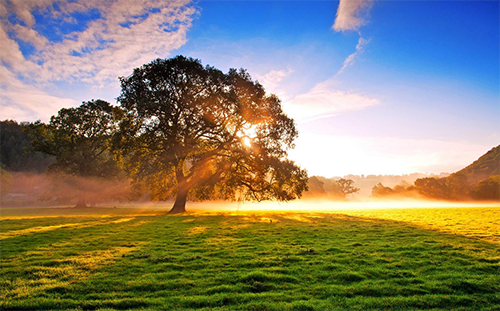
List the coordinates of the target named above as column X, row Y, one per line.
column 248, row 134
column 247, row 141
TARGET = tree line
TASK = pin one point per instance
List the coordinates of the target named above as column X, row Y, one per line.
column 453, row 188
column 478, row 181
column 337, row 189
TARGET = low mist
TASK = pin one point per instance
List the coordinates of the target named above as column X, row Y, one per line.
column 37, row 189
column 325, row 205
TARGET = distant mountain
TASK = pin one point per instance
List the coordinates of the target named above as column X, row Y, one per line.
column 484, row 167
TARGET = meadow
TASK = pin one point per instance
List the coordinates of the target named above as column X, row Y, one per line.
column 141, row 259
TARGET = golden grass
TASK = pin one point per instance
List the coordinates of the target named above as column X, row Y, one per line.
column 482, row 223
column 39, row 229
column 197, row 230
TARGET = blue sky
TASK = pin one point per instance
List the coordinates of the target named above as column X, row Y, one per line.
column 376, row 87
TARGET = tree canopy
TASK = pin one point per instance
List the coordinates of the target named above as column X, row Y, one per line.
column 488, row 189
column 194, row 131
column 79, row 139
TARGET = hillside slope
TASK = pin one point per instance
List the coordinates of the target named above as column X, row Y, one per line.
column 484, row 167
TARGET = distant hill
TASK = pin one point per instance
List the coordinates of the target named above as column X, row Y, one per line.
column 484, row 167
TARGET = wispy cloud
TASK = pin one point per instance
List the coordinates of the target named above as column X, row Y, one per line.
column 360, row 47
column 272, row 81
column 273, row 78
column 20, row 101
column 325, row 100
column 352, row 14
column 110, row 38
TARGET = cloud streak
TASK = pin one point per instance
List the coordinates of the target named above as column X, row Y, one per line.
column 352, row 14
column 360, row 47
column 324, row 100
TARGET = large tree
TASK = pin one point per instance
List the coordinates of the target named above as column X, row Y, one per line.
column 79, row 138
column 194, row 131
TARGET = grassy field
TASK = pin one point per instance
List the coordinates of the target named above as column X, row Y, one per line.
column 126, row 258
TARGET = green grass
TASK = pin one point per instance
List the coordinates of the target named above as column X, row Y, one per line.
column 242, row 262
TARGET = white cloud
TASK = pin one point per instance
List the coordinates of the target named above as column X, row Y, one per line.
column 324, row 100
column 351, row 14
column 129, row 34
column 10, row 54
column 22, row 102
column 30, row 35
column 122, row 35
column 360, row 47
column 274, row 77
column 3, row 10
column 272, row 81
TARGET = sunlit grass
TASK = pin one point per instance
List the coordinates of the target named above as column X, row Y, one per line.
column 481, row 223
column 250, row 260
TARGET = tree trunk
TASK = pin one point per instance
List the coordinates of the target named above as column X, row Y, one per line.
column 180, row 202
column 81, row 202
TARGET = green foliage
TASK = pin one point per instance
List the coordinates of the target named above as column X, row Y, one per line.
column 432, row 188
column 343, row 187
column 16, row 153
column 79, row 139
column 488, row 189
column 193, row 130
column 457, row 186
column 241, row 263
column 453, row 187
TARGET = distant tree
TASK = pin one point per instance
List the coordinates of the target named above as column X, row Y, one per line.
column 379, row 190
column 488, row 189
column 5, row 182
column 432, row 188
column 316, row 186
column 79, row 139
column 343, row 187
column 16, row 153
column 457, row 187
column 453, row 187
column 193, row 131
column 401, row 188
